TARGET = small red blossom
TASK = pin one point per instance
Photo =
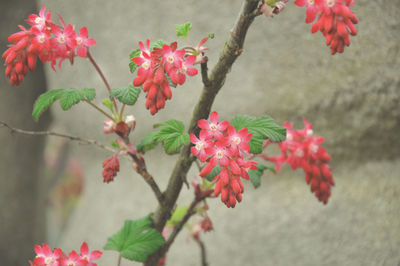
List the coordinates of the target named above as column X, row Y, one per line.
column 110, row 168
column 89, row 257
column 45, row 256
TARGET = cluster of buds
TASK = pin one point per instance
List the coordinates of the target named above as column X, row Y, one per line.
column 205, row 225
column 110, row 168
column 122, row 128
column 302, row 149
column 220, row 144
column 271, row 7
column 46, row 40
column 335, row 21
column 156, row 66
column 56, row 257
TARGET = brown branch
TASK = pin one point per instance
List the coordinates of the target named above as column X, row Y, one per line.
column 142, row 170
column 204, row 72
column 229, row 54
column 140, row 167
column 50, row 133
column 203, row 252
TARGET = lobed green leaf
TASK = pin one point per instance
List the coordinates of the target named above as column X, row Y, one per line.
column 136, row 240
column 127, row 95
column 44, row 101
column 67, row 97
column 183, row 29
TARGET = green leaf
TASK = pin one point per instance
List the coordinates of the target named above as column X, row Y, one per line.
column 214, row 172
column 44, row 101
column 211, row 35
column 127, row 95
column 262, row 128
column 157, row 44
column 136, row 240
column 108, row 103
column 133, row 65
column 177, row 216
column 172, row 136
column 89, row 93
column 255, row 175
column 67, row 97
column 147, row 143
column 183, row 30
column 70, row 97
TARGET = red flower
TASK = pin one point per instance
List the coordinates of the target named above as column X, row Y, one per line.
column 73, row 259
column 83, row 42
column 45, row 256
column 225, row 147
column 89, row 257
column 200, row 145
column 302, row 149
column 45, row 40
column 214, row 128
column 335, row 21
column 155, row 68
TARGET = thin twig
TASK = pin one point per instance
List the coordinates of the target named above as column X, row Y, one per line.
column 119, row 259
column 203, row 252
column 179, row 227
column 99, row 109
column 61, row 135
column 140, row 167
column 89, row 55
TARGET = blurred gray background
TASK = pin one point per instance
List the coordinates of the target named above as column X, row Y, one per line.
column 352, row 99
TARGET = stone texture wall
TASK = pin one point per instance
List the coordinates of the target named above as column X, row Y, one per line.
column 352, row 99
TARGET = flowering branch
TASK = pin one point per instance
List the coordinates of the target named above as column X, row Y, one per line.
column 61, row 135
column 231, row 51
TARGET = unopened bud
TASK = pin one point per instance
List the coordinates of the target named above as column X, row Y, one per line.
column 109, row 127
column 130, row 121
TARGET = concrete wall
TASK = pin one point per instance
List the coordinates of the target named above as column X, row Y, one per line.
column 352, row 99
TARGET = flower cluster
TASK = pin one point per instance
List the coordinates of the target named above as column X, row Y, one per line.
column 220, row 143
column 335, row 21
column 302, row 149
column 56, row 257
column 156, row 65
column 46, row 40
column 110, row 168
